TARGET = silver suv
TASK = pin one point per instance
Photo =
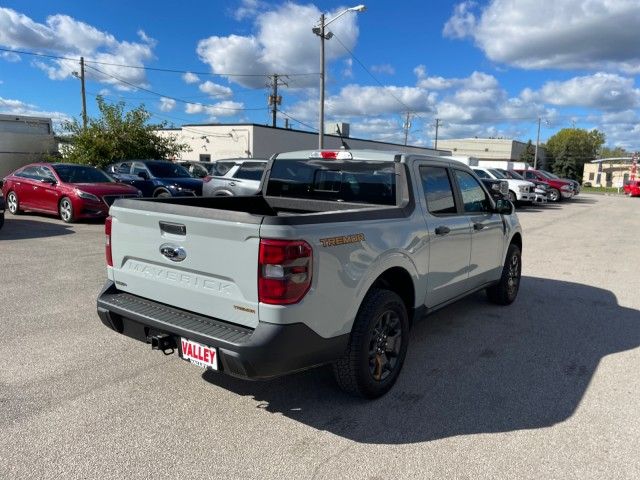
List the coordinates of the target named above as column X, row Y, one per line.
column 234, row 177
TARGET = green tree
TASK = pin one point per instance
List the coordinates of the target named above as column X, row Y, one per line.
column 570, row 148
column 606, row 152
column 118, row 135
column 528, row 154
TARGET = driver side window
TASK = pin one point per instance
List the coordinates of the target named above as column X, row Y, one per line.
column 474, row 197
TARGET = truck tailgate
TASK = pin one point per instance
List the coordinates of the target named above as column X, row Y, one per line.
column 216, row 278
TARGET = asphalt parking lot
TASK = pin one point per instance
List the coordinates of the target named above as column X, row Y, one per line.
column 546, row 388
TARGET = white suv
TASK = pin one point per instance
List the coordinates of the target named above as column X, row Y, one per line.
column 519, row 190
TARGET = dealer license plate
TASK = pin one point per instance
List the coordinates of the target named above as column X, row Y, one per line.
column 198, row 354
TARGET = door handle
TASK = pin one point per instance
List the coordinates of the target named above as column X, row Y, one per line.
column 232, row 184
column 478, row 226
column 442, row 230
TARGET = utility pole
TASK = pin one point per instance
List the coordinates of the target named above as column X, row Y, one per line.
column 407, row 126
column 321, row 114
column 438, row 124
column 84, row 98
column 535, row 156
column 274, row 98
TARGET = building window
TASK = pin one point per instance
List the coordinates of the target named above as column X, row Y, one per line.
column 591, row 175
column 205, row 157
column 609, row 176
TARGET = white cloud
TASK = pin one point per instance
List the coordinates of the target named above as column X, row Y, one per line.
column 248, row 9
column 215, row 90
column 189, row 77
column 10, row 56
column 167, row 104
column 18, row 107
column 384, row 68
column 568, row 34
column 604, row 91
column 226, row 108
column 462, row 22
column 348, row 68
column 368, row 100
column 268, row 51
column 64, row 35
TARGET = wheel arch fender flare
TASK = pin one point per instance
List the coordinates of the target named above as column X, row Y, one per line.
column 394, row 264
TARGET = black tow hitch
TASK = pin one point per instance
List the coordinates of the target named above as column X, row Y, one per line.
column 166, row 343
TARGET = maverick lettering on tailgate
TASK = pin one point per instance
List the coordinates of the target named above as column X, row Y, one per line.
column 186, row 279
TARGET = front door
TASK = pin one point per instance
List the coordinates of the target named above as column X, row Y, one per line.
column 487, row 230
column 46, row 193
column 449, row 235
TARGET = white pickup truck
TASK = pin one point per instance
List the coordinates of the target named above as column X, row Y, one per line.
column 331, row 264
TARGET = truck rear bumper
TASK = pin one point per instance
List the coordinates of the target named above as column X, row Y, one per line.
column 268, row 351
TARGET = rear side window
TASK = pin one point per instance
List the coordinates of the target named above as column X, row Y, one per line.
column 250, row 171
column 28, row 172
column 357, row 181
column 437, row 190
column 123, row 168
column 473, row 196
column 220, row 169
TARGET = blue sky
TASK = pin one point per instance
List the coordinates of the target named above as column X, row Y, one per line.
column 485, row 68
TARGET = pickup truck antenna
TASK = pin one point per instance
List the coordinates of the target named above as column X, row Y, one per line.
column 345, row 145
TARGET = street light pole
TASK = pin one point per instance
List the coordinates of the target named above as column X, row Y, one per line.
column 320, row 30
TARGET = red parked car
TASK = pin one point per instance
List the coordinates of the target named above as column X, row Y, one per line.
column 70, row 191
column 632, row 188
column 558, row 188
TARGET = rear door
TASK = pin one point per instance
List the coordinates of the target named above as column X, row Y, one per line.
column 189, row 259
column 25, row 187
column 449, row 234
column 246, row 179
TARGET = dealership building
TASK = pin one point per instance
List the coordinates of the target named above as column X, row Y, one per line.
column 214, row 141
column 490, row 149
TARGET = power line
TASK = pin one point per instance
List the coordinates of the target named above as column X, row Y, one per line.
column 125, row 82
column 299, row 121
column 376, row 79
column 154, row 69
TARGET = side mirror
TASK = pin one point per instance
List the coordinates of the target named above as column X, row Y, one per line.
column 143, row 175
column 504, row 206
column 48, row 181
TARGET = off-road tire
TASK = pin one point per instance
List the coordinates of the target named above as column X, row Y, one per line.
column 352, row 371
column 506, row 290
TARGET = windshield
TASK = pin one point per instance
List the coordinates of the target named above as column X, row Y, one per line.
column 545, row 174
column 549, row 174
column 81, row 174
column 512, row 174
column 358, row 181
column 167, row 170
column 497, row 173
column 481, row 173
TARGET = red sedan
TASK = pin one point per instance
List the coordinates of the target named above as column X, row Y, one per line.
column 632, row 188
column 71, row 191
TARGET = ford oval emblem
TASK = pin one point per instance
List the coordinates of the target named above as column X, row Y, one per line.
column 173, row 252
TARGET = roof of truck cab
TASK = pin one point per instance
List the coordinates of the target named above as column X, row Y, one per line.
column 359, row 154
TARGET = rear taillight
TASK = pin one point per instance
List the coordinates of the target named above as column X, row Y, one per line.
column 284, row 271
column 107, row 245
column 207, row 179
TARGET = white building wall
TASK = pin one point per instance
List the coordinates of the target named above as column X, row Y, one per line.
column 24, row 140
column 257, row 141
